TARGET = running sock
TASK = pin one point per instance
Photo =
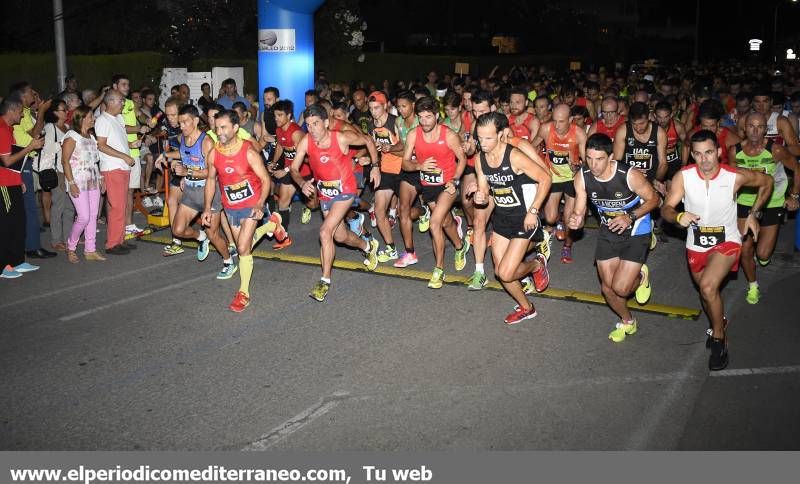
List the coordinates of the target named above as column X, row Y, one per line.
column 176, row 241
column 754, row 284
column 286, row 216
column 245, row 273
column 326, row 280
column 390, row 247
column 202, row 236
column 479, row 267
column 262, row 230
column 392, row 212
column 228, row 261
column 410, row 250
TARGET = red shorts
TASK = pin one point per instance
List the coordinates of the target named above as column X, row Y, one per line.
column 697, row 260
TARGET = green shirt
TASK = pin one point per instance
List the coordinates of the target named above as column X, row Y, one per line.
column 763, row 163
column 21, row 136
column 129, row 115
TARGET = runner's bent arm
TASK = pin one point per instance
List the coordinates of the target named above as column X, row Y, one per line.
column 408, row 163
column 619, row 144
column 578, row 216
column 299, row 156
column 521, row 162
column 211, row 183
column 661, row 152
column 534, row 154
column 454, row 143
column 254, row 160
column 639, row 184
column 674, row 197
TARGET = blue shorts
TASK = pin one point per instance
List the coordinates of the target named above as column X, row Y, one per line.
column 325, row 205
column 237, row 215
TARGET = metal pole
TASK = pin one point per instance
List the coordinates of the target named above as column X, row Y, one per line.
column 61, row 49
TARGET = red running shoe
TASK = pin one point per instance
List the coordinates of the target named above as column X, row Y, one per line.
column 520, row 314
column 240, row 301
column 541, row 276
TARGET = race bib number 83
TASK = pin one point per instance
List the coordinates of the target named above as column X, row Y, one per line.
column 708, row 237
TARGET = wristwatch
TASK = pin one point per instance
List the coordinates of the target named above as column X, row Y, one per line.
column 632, row 216
column 756, row 214
column 534, row 211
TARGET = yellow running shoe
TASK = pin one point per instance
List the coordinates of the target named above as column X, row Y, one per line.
column 753, row 295
column 306, row 216
column 621, row 330
column 644, row 290
column 437, row 279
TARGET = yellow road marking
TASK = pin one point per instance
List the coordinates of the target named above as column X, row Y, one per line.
column 550, row 293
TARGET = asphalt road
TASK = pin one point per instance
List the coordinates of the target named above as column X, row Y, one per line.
column 140, row 352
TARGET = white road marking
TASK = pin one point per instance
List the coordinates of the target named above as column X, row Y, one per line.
column 768, row 370
column 90, row 283
column 297, row 422
column 126, row 300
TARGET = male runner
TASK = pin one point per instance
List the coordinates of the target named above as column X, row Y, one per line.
column 624, row 200
column 440, row 161
column 244, row 186
column 761, row 154
column 336, row 187
column 564, row 143
column 610, row 119
column 713, row 241
column 519, row 188
column 195, row 144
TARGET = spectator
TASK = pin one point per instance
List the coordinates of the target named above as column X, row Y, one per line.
column 246, row 122
column 12, row 205
column 229, row 95
column 72, row 101
column 28, row 130
column 205, row 99
column 115, row 166
column 55, row 204
column 79, row 160
column 70, row 87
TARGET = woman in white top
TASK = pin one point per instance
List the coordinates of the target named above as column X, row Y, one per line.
column 58, row 210
column 80, row 159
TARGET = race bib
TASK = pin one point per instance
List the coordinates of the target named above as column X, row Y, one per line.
column 673, row 156
column 238, row 192
column 433, row 177
column 708, row 237
column 289, row 154
column 558, row 157
column 329, row 188
column 607, row 217
column 505, row 197
column 640, row 162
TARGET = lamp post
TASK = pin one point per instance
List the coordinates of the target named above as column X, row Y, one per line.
column 775, row 32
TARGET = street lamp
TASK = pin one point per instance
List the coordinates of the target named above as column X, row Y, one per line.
column 775, row 32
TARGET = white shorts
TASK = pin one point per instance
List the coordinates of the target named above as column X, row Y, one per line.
column 136, row 176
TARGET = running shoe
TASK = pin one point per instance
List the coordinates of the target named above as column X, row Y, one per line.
column 459, row 222
column 406, row 260
column 461, row 255
column 372, row 255
column 228, row 270
column 753, row 295
column 147, row 203
column 203, row 249
column 710, row 332
column 356, row 224
column 520, row 314
column 392, row 220
column 541, row 276
column 477, row 282
column 319, row 291
column 10, row 273
column 561, row 232
column 527, row 285
column 240, row 301
column 424, row 221
column 282, row 244
column 621, row 330
column 26, row 267
column 763, row 263
column 306, row 216
column 718, row 359
column 644, row 290
column 566, row 254
column 373, row 221
column 386, row 255
column 653, row 240
column 172, row 249
column 544, row 247
column 437, row 279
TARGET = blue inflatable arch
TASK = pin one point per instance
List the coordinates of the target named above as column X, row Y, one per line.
column 286, row 47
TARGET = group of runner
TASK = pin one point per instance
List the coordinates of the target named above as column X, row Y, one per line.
column 530, row 175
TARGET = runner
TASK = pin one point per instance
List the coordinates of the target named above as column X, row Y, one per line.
column 440, row 161
column 710, row 117
column 195, row 144
column 565, row 149
column 522, row 123
column 335, row 184
column 171, row 132
column 624, row 200
column 384, row 131
column 713, row 241
column 676, row 136
column 642, row 144
column 288, row 135
column 761, row 154
column 519, row 187
column 244, row 186
column 610, row 119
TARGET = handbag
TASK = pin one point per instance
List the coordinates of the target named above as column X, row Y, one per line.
column 48, row 178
